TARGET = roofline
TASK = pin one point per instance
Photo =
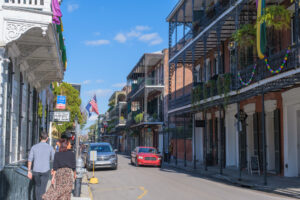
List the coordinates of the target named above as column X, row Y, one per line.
column 143, row 57
column 178, row 5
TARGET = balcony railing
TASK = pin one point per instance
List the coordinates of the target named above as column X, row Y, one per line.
column 145, row 82
column 229, row 82
column 275, row 61
column 202, row 19
column 44, row 5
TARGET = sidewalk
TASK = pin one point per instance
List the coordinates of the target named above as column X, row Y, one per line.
column 85, row 190
column 276, row 184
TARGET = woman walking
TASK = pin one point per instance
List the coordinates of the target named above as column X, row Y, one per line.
column 63, row 172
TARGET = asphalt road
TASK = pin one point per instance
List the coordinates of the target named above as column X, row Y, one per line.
column 150, row 183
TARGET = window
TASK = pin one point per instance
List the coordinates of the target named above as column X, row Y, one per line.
column 101, row 148
column 198, row 74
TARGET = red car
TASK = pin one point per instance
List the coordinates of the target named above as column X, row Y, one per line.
column 145, row 156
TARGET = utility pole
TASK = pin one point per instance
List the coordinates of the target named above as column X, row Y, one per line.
column 77, row 136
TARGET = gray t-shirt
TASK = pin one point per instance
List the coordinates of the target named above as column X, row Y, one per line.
column 41, row 154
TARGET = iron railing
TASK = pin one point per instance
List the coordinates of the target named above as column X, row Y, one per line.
column 202, row 19
column 145, row 82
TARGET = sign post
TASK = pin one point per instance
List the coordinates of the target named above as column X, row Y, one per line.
column 93, row 157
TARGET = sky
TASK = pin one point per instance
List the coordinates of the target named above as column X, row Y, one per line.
column 106, row 38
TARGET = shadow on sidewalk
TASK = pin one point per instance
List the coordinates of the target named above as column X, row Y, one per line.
column 289, row 187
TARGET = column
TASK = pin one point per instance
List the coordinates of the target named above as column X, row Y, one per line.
column 3, row 94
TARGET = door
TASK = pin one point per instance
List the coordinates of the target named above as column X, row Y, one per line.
column 243, row 142
column 216, row 133
column 277, row 136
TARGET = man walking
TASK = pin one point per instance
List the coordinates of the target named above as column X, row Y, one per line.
column 40, row 154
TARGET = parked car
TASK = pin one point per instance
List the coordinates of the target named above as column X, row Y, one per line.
column 106, row 156
column 145, row 156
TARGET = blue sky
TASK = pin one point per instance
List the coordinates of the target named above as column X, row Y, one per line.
column 106, row 38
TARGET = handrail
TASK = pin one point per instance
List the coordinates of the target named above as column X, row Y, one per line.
column 44, row 5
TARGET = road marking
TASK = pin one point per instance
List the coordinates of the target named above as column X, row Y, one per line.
column 144, row 193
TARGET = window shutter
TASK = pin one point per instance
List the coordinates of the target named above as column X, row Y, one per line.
column 277, row 136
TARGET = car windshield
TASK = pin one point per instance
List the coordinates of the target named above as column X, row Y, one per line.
column 147, row 150
column 101, row 148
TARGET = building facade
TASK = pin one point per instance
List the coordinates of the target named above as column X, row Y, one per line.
column 145, row 101
column 32, row 56
column 227, row 107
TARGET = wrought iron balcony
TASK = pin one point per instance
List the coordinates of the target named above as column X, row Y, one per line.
column 202, row 18
column 275, row 61
column 145, row 82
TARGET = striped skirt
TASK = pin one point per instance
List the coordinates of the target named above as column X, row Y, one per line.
column 63, row 186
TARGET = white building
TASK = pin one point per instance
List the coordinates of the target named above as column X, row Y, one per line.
column 30, row 60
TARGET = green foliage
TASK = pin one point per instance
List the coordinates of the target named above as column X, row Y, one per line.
column 155, row 116
column 276, row 16
column 245, row 36
column 205, row 91
column 40, row 110
column 73, row 105
column 139, row 117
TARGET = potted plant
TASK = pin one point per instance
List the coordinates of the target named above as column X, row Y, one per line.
column 245, row 36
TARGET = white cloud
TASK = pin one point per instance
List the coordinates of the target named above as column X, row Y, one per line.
column 96, row 33
column 86, row 82
column 151, row 38
column 120, row 37
column 72, row 7
column 142, row 28
column 99, row 81
column 133, row 33
column 96, row 42
column 119, row 85
column 100, row 92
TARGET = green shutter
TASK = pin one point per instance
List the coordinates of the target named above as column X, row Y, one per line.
column 243, row 139
column 216, row 157
column 255, row 133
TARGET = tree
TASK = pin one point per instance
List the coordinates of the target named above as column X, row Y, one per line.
column 73, row 105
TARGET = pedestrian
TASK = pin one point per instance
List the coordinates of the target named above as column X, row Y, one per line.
column 64, row 167
column 171, row 150
column 57, row 146
column 40, row 154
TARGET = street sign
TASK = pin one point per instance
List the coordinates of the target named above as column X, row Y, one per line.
column 93, row 155
column 61, row 102
column 60, row 116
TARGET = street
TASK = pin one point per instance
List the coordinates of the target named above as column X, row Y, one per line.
column 148, row 183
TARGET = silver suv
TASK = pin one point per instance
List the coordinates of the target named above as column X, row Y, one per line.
column 106, row 156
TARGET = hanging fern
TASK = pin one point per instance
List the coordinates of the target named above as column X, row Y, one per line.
column 276, row 16
column 245, row 36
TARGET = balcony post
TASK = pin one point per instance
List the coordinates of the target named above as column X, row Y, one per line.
column 183, row 82
column 184, row 137
column 204, row 46
column 168, row 141
column 175, row 78
column 145, row 105
column 297, row 22
column 205, row 141
column 239, row 141
column 218, row 49
column 176, row 31
column 194, row 137
column 264, row 138
column 184, row 23
column 220, row 151
column 176, row 137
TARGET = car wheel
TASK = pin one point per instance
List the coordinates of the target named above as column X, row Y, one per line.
column 136, row 163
